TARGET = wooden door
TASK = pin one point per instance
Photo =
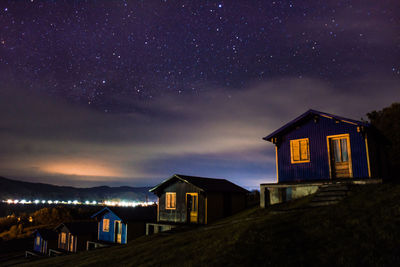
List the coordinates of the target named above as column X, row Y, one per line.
column 192, row 201
column 71, row 243
column 340, row 157
column 118, row 232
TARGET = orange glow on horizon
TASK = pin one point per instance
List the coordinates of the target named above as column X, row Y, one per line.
column 82, row 168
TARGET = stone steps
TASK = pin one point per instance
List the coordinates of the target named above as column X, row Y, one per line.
column 329, row 194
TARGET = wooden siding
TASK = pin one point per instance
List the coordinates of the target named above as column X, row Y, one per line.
column 79, row 241
column 318, row 167
column 109, row 236
column 38, row 247
column 179, row 215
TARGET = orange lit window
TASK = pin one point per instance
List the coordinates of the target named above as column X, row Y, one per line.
column 106, row 225
column 38, row 240
column 170, row 200
column 299, row 150
column 63, row 238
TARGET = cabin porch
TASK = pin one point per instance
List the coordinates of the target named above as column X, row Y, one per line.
column 90, row 245
column 154, row 228
column 271, row 194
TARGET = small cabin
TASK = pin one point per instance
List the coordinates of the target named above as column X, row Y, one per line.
column 197, row 200
column 119, row 225
column 44, row 239
column 319, row 147
column 72, row 237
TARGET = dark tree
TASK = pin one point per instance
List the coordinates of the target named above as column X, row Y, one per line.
column 387, row 121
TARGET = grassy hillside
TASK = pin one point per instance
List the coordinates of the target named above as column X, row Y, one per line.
column 364, row 229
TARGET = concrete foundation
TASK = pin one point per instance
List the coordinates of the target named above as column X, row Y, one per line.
column 271, row 194
column 154, row 228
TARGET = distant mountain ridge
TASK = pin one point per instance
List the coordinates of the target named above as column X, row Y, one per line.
column 13, row 189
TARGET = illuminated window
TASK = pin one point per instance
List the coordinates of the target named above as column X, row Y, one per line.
column 63, row 238
column 299, row 150
column 38, row 240
column 106, row 225
column 170, row 200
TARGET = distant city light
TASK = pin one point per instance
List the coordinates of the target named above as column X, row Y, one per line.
column 119, row 203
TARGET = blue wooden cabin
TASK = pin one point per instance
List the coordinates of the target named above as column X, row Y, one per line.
column 73, row 236
column 44, row 239
column 318, row 148
column 322, row 146
column 113, row 223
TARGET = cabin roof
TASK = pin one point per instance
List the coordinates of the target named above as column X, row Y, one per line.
column 308, row 115
column 79, row 228
column 47, row 234
column 203, row 183
column 128, row 214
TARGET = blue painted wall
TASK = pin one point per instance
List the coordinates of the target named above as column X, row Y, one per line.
column 109, row 236
column 318, row 167
column 37, row 248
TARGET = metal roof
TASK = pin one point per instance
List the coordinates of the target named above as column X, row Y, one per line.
column 306, row 116
column 203, row 183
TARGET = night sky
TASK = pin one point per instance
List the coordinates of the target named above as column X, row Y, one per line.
column 130, row 92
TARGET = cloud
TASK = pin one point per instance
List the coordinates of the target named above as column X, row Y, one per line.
column 216, row 133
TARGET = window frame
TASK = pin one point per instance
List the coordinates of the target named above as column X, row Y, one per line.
column 292, row 160
column 106, row 225
column 168, row 205
column 63, row 238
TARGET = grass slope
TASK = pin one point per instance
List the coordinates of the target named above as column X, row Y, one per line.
column 364, row 229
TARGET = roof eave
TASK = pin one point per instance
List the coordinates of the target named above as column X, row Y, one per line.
column 154, row 189
column 315, row 112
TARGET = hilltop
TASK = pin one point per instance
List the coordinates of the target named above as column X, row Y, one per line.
column 360, row 230
column 13, row 189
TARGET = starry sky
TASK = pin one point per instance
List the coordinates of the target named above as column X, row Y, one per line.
column 130, row 92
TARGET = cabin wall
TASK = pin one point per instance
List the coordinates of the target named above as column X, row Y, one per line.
column 239, row 202
column 179, row 215
column 220, row 205
column 37, row 247
column 215, row 206
column 110, row 235
column 63, row 246
column 318, row 167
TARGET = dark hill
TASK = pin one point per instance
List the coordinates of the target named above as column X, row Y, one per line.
column 362, row 230
column 12, row 189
